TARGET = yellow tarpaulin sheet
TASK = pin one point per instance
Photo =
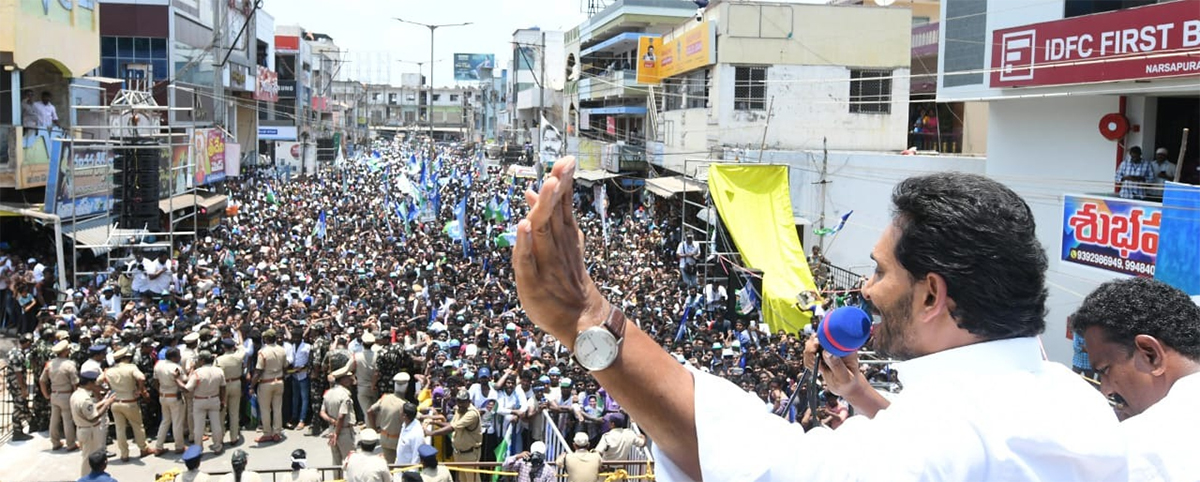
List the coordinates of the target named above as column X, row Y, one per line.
column 756, row 206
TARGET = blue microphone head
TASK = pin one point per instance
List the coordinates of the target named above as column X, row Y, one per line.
column 844, row 330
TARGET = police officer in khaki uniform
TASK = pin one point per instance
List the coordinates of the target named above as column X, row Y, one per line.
column 268, row 381
column 88, row 415
column 187, row 359
column 364, row 372
column 58, row 381
column 337, row 409
column 384, row 417
column 468, row 432
column 231, row 365
column 171, row 381
column 128, row 385
column 207, row 384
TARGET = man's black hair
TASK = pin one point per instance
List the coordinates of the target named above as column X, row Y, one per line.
column 98, row 460
column 1129, row 307
column 980, row 236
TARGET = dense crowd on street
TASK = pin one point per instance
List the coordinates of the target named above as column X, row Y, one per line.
column 374, row 304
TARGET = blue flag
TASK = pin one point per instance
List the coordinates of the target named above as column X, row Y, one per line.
column 460, row 213
column 321, row 227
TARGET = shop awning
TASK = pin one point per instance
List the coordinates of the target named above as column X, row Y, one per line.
column 670, row 186
column 590, row 175
column 183, row 201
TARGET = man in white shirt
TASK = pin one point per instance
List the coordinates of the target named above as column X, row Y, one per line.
column 1164, row 170
column 412, row 436
column 1143, row 340
column 687, row 252
column 47, row 115
column 960, row 291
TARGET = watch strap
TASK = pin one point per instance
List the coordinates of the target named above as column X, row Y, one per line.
column 615, row 324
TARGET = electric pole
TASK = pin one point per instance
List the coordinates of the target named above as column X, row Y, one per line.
column 432, row 28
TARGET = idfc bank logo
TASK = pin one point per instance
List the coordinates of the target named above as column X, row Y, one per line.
column 1016, row 56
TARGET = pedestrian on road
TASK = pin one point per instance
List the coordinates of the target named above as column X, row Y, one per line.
column 191, row 460
column 300, row 471
column 365, row 465
column 88, row 416
column 240, row 474
column 97, row 461
column 338, row 411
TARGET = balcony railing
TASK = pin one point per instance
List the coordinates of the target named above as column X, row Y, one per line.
column 925, row 40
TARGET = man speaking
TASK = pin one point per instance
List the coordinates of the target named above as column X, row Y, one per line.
column 960, row 288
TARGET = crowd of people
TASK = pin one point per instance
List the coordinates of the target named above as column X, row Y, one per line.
column 377, row 294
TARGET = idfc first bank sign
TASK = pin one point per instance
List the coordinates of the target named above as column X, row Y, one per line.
column 1160, row 40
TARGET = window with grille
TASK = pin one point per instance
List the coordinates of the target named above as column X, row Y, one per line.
column 672, row 94
column 870, row 91
column 696, row 86
column 750, row 88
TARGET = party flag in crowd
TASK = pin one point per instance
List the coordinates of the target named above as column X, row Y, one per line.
column 747, row 299
column 840, row 225
column 507, row 238
column 321, row 226
column 460, row 213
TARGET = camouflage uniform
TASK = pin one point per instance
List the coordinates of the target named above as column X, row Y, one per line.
column 41, row 405
column 18, row 368
column 318, row 383
column 392, row 360
column 151, row 410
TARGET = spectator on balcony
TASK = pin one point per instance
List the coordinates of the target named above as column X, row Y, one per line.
column 1164, row 170
column 1133, row 174
column 47, row 115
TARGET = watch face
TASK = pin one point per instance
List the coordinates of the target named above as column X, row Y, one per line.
column 596, row 348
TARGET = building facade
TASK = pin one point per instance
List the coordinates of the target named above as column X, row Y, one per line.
column 779, row 76
column 1070, row 88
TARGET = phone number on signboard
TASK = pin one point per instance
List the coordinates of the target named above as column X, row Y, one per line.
column 1115, row 262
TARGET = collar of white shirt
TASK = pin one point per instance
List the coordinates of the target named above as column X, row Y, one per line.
column 979, row 359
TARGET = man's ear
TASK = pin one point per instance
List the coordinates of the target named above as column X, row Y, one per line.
column 930, row 297
column 1150, row 353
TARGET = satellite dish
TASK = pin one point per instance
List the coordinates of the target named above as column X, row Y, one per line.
column 884, row 3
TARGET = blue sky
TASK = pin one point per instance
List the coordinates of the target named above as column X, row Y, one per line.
column 375, row 41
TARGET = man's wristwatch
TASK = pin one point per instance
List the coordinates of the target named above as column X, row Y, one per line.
column 596, row 348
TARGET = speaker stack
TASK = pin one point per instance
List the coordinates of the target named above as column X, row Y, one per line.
column 136, row 185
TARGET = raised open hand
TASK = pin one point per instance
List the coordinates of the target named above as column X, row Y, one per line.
column 552, row 280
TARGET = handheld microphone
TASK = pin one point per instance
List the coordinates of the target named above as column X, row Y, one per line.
column 844, row 330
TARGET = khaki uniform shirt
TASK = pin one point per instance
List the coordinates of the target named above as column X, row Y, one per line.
column 83, row 409
column 364, row 368
column 468, row 430
column 62, row 374
column 337, row 403
column 123, row 379
column 206, row 382
column 231, row 365
column 271, row 362
column 165, row 372
column 388, row 421
column 581, row 466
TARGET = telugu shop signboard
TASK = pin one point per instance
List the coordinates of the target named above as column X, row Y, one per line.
column 1160, row 40
column 1114, row 234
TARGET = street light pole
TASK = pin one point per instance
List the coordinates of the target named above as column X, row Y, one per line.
column 432, row 28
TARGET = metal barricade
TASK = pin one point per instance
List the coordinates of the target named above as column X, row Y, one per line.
column 6, row 407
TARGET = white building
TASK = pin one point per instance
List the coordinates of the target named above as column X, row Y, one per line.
column 801, row 64
column 1051, row 71
column 538, row 75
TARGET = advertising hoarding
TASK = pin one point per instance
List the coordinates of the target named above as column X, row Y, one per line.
column 469, row 67
column 1119, row 235
column 659, row 59
column 1160, row 40
column 80, row 180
